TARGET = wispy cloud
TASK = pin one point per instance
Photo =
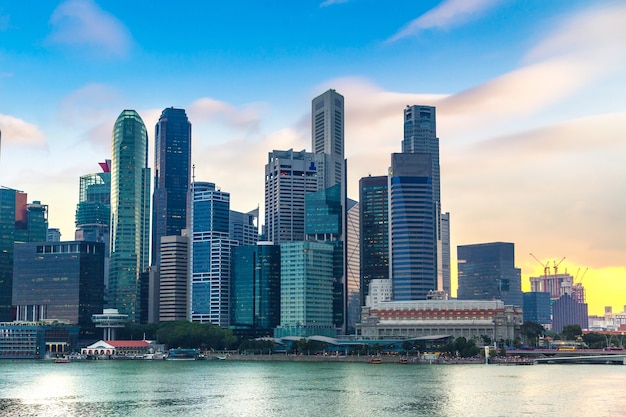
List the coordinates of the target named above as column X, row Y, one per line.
column 17, row 132
column 331, row 2
column 83, row 23
column 447, row 14
column 247, row 118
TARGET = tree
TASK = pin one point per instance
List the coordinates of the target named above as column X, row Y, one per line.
column 571, row 331
column 531, row 331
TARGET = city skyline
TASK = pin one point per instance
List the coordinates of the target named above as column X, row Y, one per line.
column 529, row 98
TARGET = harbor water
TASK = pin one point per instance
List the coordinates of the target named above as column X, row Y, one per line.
column 270, row 389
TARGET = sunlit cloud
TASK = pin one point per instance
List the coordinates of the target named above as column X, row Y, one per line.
column 247, row 118
column 17, row 132
column 83, row 23
column 449, row 13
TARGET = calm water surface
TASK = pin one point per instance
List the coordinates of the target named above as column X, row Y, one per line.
column 230, row 388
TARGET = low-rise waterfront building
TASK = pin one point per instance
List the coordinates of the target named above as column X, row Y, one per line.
column 459, row 318
column 28, row 340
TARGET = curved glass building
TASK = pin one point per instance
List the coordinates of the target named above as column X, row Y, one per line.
column 130, row 213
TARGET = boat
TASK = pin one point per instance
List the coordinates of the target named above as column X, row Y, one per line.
column 62, row 360
column 375, row 360
column 183, row 354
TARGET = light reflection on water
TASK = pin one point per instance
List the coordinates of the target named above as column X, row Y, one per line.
column 260, row 389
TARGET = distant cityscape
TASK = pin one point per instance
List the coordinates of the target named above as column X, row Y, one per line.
column 156, row 244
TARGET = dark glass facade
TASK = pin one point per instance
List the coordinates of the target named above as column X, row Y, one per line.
column 537, row 307
column 374, row 228
column 567, row 311
column 487, row 272
column 59, row 281
column 413, row 216
column 172, row 168
column 255, row 289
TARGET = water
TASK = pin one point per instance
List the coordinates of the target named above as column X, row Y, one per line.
column 251, row 389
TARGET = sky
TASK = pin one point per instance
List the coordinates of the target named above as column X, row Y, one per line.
column 530, row 97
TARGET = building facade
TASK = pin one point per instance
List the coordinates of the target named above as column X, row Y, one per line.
column 210, row 254
column 244, row 227
column 469, row 319
column 306, row 274
column 174, row 278
column 26, row 340
column 130, row 213
column 255, row 290
column 487, row 272
column 172, row 171
column 413, row 219
column 536, row 306
column 374, row 229
column 289, row 176
column 353, row 256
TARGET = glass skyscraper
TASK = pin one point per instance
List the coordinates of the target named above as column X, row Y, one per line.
column 374, row 225
column 255, row 289
column 210, row 254
column 172, row 167
column 130, row 213
column 487, row 272
column 413, row 226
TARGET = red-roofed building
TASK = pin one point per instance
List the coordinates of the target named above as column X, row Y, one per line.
column 118, row 348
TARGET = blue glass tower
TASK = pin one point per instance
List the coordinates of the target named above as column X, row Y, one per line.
column 130, row 213
column 172, row 167
column 210, row 254
column 413, row 216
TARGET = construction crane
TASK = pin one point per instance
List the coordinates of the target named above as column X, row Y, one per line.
column 546, row 269
column 557, row 291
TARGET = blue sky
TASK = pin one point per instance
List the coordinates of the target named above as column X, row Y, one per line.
column 529, row 95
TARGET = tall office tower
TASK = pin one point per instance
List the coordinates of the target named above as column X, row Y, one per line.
column 374, row 225
column 327, row 140
column 210, row 254
column 445, row 254
column 327, row 135
column 353, row 254
column 255, row 290
column 420, row 136
column 59, row 281
column 19, row 222
column 413, row 220
column 324, row 214
column 93, row 211
column 289, row 176
column 8, row 219
column 130, row 213
column 487, row 272
column 244, row 227
column 172, row 168
column 306, row 288
column 174, row 278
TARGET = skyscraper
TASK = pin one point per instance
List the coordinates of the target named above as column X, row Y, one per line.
column 353, row 276
column 243, row 227
column 172, row 167
column 306, row 287
column 374, row 219
column 327, row 140
column 413, row 225
column 255, row 289
column 174, row 278
column 210, row 254
column 487, row 272
column 19, row 222
column 93, row 211
column 130, row 213
column 289, row 176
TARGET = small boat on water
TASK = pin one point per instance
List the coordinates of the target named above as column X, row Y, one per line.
column 183, row 355
column 62, row 360
column 375, row 360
